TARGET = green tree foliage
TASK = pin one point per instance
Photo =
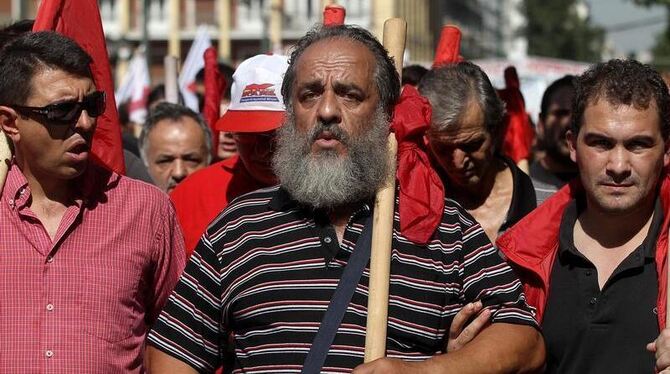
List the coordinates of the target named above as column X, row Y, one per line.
column 661, row 50
column 556, row 29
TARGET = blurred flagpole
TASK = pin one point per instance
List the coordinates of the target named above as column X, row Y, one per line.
column 276, row 14
column 192, row 65
column 224, row 30
column 135, row 87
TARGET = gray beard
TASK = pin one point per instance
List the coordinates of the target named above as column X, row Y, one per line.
column 327, row 180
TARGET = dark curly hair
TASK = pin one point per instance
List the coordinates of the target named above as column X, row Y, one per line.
column 622, row 82
column 386, row 77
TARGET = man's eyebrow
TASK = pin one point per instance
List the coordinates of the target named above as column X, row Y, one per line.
column 596, row 135
column 346, row 87
column 313, row 85
column 642, row 138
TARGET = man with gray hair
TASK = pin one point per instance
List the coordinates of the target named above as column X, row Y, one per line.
column 465, row 140
column 175, row 142
column 259, row 282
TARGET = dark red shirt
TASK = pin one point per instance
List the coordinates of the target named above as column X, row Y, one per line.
column 83, row 302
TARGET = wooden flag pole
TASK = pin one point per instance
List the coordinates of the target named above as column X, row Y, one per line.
column 171, row 78
column 395, row 30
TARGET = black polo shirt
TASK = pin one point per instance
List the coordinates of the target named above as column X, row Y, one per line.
column 592, row 331
column 523, row 196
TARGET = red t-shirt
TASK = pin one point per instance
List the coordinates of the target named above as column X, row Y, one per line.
column 199, row 198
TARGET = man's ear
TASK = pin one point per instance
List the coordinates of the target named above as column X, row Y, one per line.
column 666, row 154
column 8, row 117
column 571, row 137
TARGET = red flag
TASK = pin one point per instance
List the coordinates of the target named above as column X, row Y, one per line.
column 518, row 129
column 449, row 47
column 214, row 84
column 333, row 15
column 421, row 190
column 80, row 21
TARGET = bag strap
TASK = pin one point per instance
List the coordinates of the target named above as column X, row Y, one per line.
column 339, row 302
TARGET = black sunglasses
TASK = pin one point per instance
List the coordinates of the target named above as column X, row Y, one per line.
column 67, row 112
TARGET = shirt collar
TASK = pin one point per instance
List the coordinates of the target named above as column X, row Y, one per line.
column 281, row 200
column 94, row 180
column 566, row 238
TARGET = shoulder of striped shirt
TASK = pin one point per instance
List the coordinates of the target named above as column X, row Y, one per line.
column 259, row 198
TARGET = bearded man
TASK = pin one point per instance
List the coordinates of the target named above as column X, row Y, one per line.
column 260, row 280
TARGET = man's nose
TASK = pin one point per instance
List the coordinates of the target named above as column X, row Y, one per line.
column 328, row 111
column 618, row 164
column 85, row 122
column 179, row 170
column 459, row 157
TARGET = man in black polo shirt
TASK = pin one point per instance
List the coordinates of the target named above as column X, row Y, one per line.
column 593, row 256
column 259, row 282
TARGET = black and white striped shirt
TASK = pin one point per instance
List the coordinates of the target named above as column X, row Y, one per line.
column 254, row 292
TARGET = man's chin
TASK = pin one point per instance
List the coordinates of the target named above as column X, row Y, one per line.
column 618, row 205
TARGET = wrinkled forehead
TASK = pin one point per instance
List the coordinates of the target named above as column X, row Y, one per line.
column 345, row 58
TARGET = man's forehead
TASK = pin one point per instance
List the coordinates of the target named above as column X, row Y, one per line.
column 335, row 53
column 600, row 114
column 54, row 82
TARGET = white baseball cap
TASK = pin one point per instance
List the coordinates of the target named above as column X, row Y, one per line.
column 256, row 102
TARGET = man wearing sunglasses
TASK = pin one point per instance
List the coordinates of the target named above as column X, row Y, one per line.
column 552, row 167
column 255, row 112
column 88, row 257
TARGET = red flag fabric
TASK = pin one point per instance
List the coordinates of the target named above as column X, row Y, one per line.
column 449, row 46
column 333, row 15
column 519, row 132
column 421, row 190
column 214, row 84
column 80, row 21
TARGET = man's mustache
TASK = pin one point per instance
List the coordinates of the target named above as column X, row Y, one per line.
column 335, row 130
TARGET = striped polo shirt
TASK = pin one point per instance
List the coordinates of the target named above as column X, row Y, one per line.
column 255, row 290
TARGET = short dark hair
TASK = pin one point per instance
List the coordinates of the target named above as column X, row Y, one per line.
column 555, row 86
column 412, row 74
column 450, row 88
column 622, row 82
column 11, row 31
column 386, row 77
column 31, row 52
column 173, row 112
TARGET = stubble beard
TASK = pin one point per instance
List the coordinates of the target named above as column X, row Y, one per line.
column 327, row 180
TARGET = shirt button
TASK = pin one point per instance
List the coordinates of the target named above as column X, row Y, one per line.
column 50, row 259
column 50, row 307
column 49, row 354
column 593, row 301
column 588, row 273
column 327, row 239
